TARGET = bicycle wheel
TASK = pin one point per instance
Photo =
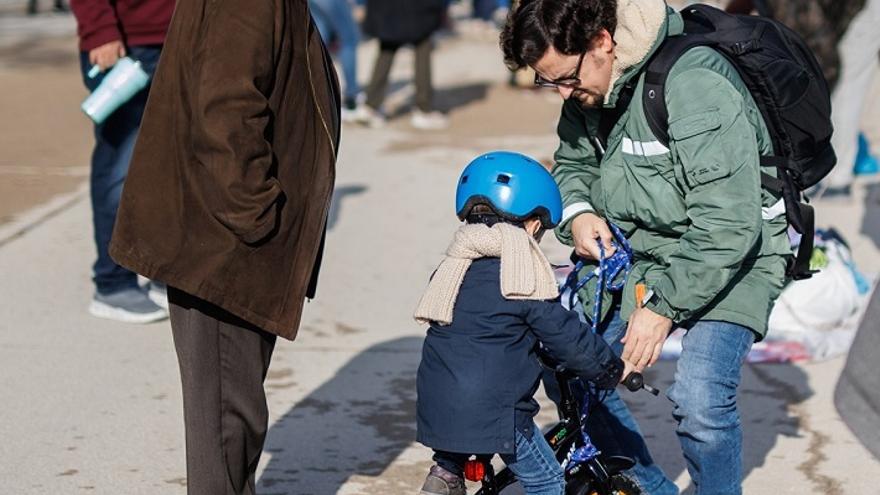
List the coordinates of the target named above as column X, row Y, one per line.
column 620, row 485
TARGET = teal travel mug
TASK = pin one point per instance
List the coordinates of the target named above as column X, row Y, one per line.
column 122, row 82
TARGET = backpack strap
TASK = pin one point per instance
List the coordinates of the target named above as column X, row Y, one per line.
column 656, row 71
column 799, row 215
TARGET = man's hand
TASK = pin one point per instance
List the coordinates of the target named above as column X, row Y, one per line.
column 586, row 228
column 106, row 55
column 644, row 338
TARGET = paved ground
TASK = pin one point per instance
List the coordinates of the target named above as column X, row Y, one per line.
column 94, row 406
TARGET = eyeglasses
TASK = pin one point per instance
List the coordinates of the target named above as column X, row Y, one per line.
column 574, row 81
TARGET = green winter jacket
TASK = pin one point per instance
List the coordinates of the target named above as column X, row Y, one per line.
column 706, row 238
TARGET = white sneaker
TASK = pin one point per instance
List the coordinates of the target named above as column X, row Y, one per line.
column 429, row 121
column 367, row 116
column 129, row 306
column 357, row 115
column 158, row 293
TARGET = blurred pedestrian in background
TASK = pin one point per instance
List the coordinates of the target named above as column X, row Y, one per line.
column 227, row 203
column 483, row 9
column 396, row 23
column 842, row 34
column 57, row 6
column 109, row 30
column 337, row 26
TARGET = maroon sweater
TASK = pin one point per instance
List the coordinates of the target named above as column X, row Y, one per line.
column 134, row 22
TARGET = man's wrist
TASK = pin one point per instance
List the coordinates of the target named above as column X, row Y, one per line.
column 657, row 304
column 573, row 210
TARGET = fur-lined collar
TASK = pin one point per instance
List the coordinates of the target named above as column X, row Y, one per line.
column 639, row 25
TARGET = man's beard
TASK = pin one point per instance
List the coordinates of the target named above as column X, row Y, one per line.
column 588, row 99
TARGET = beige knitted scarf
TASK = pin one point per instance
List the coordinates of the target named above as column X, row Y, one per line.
column 525, row 271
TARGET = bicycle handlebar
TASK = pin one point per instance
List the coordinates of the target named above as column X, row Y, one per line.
column 635, row 382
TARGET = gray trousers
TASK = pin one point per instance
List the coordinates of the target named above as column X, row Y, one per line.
column 223, row 362
column 382, row 68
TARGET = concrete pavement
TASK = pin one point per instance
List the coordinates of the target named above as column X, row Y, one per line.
column 92, row 406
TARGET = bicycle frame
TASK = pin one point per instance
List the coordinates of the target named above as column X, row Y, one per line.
column 564, row 438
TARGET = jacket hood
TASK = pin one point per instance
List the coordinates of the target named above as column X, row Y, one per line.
column 642, row 25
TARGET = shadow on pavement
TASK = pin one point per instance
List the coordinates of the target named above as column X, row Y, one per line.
column 357, row 423
column 339, row 195
column 769, row 400
column 447, row 99
column 360, row 421
column 39, row 52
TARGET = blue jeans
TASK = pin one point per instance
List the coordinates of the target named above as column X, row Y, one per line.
column 114, row 143
column 704, row 395
column 334, row 20
column 533, row 463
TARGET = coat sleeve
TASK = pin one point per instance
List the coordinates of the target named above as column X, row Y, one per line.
column 575, row 168
column 573, row 344
column 232, row 116
column 718, row 166
column 96, row 23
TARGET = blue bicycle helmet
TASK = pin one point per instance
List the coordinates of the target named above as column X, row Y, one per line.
column 515, row 186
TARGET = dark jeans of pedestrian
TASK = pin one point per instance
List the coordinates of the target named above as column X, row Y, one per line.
column 379, row 81
column 114, row 142
column 223, row 363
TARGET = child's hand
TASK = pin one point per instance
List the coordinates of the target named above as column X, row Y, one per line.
column 627, row 369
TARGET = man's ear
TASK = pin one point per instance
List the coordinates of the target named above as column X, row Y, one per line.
column 604, row 41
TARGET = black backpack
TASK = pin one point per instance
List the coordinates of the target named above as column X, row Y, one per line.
column 788, row 87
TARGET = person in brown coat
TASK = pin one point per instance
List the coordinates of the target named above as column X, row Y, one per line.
column 226, row 202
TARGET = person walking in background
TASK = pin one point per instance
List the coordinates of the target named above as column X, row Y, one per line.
column 336, row 23
column 396, row 23
column 227, row 203
column 57, row 6
column 842, row 34
column 484, row 10
column 107, row 31
column 858, row 51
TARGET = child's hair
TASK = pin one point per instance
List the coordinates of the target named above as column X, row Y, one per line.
column 484, row 213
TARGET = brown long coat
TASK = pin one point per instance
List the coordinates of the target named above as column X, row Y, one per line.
column 230, row 183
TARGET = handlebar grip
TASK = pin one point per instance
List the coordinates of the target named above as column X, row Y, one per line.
column 635, row 382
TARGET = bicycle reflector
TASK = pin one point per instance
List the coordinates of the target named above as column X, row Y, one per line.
column 474, row 470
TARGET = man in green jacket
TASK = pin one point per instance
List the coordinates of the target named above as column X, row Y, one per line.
column 709, row 243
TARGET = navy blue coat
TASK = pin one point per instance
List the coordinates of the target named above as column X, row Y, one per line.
column 478, row 375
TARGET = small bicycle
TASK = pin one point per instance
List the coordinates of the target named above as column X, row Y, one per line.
column 587, row 471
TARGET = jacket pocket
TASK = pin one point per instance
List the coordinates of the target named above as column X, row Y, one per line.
column 695, row 124
column 696, row 134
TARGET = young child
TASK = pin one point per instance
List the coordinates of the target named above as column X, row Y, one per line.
column 489, row 304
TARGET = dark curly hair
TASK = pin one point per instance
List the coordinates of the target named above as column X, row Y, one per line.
column 569, row 26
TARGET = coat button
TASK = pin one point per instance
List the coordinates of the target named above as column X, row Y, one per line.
column 506, row 445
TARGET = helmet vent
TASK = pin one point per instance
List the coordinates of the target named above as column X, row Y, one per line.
column 464, row 179
column 503, row 178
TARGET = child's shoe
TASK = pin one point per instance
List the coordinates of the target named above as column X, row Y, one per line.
column 441, row 482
